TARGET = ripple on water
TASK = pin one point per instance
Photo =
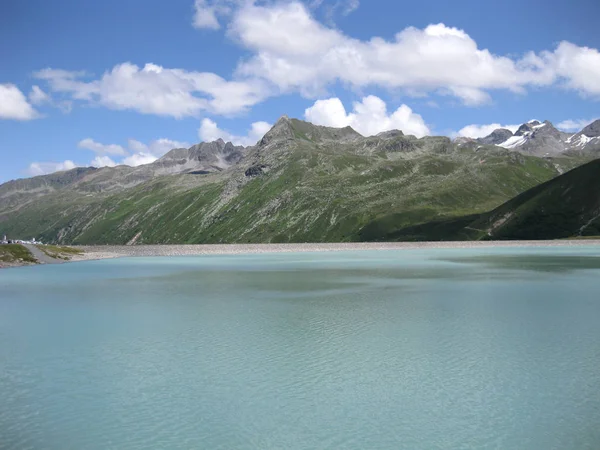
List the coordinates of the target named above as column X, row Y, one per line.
column 485, row 348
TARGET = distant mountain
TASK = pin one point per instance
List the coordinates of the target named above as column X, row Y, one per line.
column 300, row 182
column 543, row 139
column 201, row 158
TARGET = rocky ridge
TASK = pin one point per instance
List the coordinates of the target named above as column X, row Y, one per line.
column 543, row 139
column 299, row 183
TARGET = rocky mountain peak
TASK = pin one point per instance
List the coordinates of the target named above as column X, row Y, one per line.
column 524, row 129
column 592, row 130
column 282, row 130
column 496, row 137
column 390, row 134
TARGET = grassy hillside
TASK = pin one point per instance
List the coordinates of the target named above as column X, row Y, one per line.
column 15, row 254
column 567, row 206
column 300, row 184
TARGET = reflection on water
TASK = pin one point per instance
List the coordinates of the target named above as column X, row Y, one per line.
column 540, row 263
column 419, row 349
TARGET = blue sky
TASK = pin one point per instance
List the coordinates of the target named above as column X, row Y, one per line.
column 87, row 82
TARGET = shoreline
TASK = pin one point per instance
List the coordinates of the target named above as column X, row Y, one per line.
column 100, row 252
column 97, row 252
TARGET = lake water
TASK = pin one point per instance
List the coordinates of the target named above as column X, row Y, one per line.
column 416, row 349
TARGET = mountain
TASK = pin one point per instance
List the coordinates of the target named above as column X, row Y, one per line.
column 566, row 206
column 543, row 139
column 497, row 136
column 299, row 183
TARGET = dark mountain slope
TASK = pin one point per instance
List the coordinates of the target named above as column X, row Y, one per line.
column 566, row 206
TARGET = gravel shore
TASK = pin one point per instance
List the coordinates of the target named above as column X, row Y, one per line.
column 118, row 251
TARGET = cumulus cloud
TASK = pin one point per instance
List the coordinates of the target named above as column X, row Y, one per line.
column 369, row 117
column 137, row 153
column 157, row 147
column 138, row 159
column 37, row 96
column 14, row 104
column 206, row 12
column 148, row 153
column 289, row 51
column 209, row 131
column 154, row 89
column 102, row 149
column 102, row 161
column 478, row 131
column 297, row 53
column 44, row 168
column 578, row 67
column 574, row 125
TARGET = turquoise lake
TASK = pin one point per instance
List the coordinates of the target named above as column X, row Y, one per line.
column 495, row 348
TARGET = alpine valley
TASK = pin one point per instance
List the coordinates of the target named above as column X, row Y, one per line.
column 308, row 183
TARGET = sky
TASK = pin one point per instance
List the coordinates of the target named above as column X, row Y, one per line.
column 85, row 82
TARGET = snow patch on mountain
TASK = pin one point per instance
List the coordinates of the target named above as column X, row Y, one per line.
column 513, row 141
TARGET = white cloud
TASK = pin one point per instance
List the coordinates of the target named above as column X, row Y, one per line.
column 206, row 12
column 14, row 104
column 138, row 153
column 138, row 159
column 44, row 168
column 146, row 154
column 349, row 6
column 102, row 161
column 297, row 53
column 574, row 125
column 578, row 67
column 478, row 131
column 153, row 89
column 209, row 131
column 289, row 51
column 37, row 96
column 137, row 146
column 369, row 117
column 101, row 149
column 157, row 147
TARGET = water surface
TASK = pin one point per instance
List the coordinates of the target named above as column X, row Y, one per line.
column 418, row 349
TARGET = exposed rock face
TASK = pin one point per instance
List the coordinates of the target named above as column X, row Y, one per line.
column 255, row 171
column 592, row 130
column 526, row 128
column 206, row 156
column 390, row 134
column 281, row 131
column 543, row 140
column 496, row 137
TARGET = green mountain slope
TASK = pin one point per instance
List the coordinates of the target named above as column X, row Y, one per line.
column 299, row 183
column 567, row 206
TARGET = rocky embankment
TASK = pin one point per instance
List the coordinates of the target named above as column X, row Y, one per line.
column 118, row 251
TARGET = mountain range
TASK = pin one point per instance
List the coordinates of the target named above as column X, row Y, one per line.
column 543, row 139
column 308, row 183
